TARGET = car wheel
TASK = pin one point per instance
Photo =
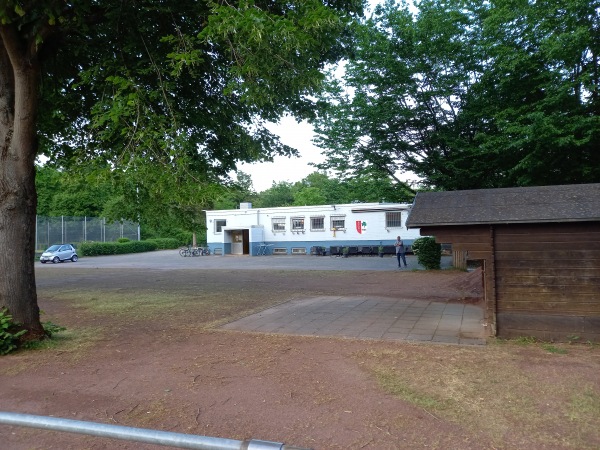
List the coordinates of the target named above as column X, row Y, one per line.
column 43, row 262
column 74, row 258
column 55, row 260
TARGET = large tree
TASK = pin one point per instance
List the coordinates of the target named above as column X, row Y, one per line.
column 168, row 95
column 470, row 94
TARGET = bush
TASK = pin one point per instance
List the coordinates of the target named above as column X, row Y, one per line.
column 9, row 337
column 123, row 240
column 165, row 243
column 116, row 248
column 429, row 253
column 183, row 237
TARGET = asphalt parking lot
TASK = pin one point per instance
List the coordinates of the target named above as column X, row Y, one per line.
column 170, row 259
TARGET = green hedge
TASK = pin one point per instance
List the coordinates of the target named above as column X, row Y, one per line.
column 116, row 248
column 165, row 243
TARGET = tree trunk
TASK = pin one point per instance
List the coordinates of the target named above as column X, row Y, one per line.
column 19, row 84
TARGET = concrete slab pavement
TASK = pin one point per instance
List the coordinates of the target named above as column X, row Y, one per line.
column 370, row 318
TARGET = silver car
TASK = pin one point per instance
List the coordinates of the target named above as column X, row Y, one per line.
column 59, row 253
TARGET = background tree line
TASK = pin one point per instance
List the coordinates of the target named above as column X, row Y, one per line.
column 88, row 193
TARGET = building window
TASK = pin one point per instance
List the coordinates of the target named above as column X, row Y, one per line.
column 219, row 225
column 297, row 223
column 317, row 223
column 278, row 224
column 338, row 222
column 393, row 219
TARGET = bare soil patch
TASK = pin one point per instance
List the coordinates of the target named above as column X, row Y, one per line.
column 143, row 349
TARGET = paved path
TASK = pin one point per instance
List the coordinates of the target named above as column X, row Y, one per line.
column 371, row 318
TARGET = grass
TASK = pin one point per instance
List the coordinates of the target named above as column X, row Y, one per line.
column 208, row 308
column 107, row 311
column 525, row 340
column 395, row 385
column 494, row 390
column 71, row 345
column 584, row 404
column 553, row 348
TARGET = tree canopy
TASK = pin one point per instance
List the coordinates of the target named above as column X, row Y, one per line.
column 160, row 98
column 188, row 88
column 470, row 95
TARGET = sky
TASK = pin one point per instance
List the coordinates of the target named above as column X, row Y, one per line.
column 296, row 135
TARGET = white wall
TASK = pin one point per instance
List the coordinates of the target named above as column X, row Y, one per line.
column 260, row 224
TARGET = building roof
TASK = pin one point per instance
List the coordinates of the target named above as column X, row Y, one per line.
column 567, row 203
column 356, row 207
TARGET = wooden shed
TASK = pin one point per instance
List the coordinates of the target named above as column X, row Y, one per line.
column 539, row 248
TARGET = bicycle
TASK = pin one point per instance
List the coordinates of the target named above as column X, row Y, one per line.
column 200, row 251
column 194, row 251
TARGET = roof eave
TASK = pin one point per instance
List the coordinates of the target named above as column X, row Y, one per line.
column 499, row 222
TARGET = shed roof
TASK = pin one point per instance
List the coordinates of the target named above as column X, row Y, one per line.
column 566, row 203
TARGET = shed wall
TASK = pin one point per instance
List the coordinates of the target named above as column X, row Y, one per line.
column 548, row 280
column 540, row 280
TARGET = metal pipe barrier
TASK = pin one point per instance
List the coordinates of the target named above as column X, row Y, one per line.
column 156, row 437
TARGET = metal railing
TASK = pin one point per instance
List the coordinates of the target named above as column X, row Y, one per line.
column 156, row 437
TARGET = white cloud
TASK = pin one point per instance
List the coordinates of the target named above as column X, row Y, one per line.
column 296, row 135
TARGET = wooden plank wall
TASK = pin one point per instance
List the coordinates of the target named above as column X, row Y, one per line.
column 475, row 241
column 548, row 280
column 540, row 280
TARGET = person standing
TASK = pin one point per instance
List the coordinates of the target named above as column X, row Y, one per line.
column 400, row 252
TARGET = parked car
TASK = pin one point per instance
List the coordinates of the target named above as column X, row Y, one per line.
column 59, row 253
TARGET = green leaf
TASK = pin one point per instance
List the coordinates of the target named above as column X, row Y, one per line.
column 19, row 10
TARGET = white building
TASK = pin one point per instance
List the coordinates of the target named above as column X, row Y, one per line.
column 362, row 227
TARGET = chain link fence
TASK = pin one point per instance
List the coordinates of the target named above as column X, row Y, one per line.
column 58, row 230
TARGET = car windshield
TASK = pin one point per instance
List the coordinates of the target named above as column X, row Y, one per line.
column 53, row 248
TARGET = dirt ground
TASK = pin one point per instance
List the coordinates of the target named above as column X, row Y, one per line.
column 143, row 348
